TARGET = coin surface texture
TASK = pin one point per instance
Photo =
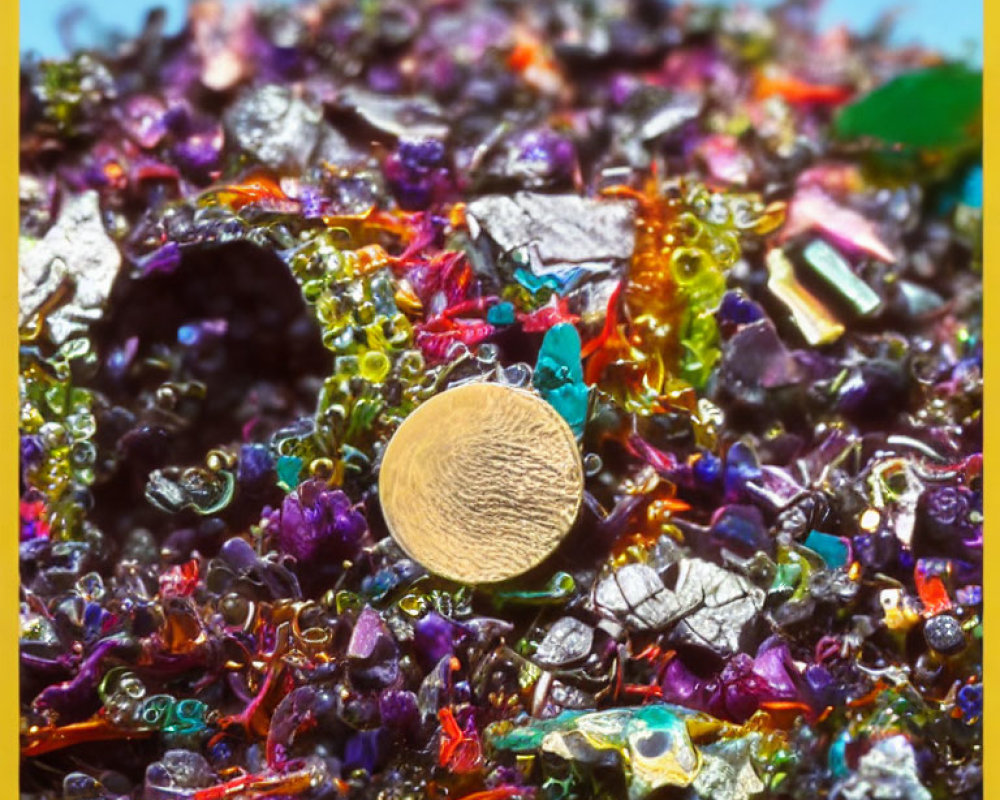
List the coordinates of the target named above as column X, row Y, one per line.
column 481, row 482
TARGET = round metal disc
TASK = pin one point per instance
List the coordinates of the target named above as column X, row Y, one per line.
column 481, row 482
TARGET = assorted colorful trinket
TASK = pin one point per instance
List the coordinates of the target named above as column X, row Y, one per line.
column 741, row 260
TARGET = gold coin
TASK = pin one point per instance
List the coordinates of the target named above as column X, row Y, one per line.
column 481, row 482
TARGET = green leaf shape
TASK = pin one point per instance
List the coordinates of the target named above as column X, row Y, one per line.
column 936, row 108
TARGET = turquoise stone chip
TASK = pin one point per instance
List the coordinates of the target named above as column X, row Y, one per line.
column 535, row 283
column 288, row 469
column 559, row 375
column 832, row 549
column 972, row 187
column 501, row 314
column 837, row 756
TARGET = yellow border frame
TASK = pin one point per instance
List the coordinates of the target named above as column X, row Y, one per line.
column 9, row 583
column 9, row 130
column 991, row 367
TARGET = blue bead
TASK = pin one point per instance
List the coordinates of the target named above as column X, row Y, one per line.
column 970, row 701
column 741, row 527
column 422, row 154
column 187, row 334
column 741, row 467
column 707, row 469
column 739, row 309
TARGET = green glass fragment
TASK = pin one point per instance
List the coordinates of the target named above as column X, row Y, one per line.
column 800, row 558
column 348, row 601
column 786, row 577
column 935, row 108
column 559, row 375
column 700, row 342
column 71, row 91
column 559, row 589
column 831, row 266
column 363, row 415
column 55, row 396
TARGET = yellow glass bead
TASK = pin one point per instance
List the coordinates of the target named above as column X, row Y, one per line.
column 375, row 366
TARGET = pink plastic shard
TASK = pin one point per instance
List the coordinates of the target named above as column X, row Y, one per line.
column 813, row 209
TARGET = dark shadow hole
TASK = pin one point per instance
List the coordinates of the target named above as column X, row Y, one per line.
column 262, row 367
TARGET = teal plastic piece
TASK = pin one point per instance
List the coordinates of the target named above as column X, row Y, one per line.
column 559, row 375
column 289, row 468
column 559, row 589
column 972, row 187
column 965, row 188
column 501, row 314
column 535, row 283
column 836, row 759
column 832, row 549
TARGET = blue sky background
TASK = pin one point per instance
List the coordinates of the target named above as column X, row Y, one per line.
column 952, row 26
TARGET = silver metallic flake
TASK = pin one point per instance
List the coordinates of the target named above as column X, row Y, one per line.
column 76, row 250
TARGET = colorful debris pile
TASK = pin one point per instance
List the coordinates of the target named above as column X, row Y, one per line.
column 742, row 259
